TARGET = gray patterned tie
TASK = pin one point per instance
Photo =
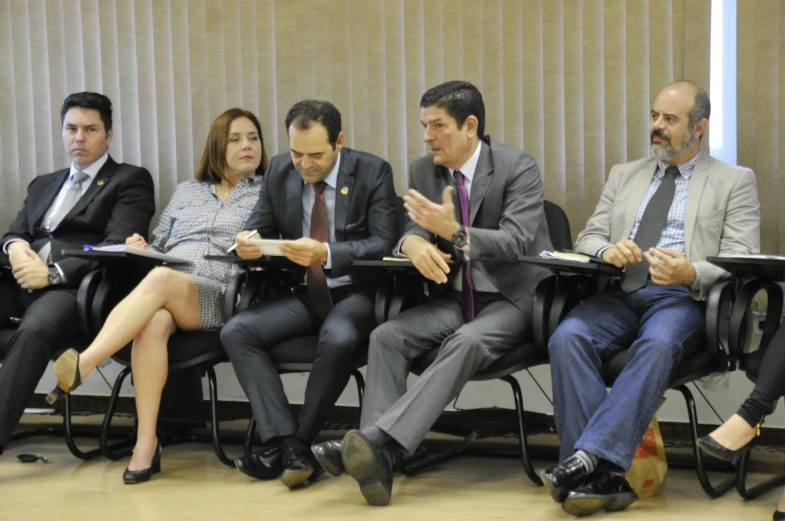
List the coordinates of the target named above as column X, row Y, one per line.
column 71, row 198
column 653, row 222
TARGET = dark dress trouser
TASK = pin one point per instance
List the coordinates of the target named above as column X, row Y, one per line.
column 770, row 385
column 250, row 334
column 48, row 317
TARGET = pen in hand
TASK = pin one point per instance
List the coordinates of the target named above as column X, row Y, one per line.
column 230, row 250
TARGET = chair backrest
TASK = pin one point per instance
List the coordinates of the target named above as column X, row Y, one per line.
column 558, row 226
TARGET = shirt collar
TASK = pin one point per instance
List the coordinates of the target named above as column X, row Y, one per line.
column 91, row 170
column 685, row 169
column 332, row 179
column 470, row 165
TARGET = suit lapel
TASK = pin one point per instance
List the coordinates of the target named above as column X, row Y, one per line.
column 49, row 195
column 639, row 187
column 480, row 181
column 698, row 180
column 101, row 180
column 294, row 202
column 343, row 191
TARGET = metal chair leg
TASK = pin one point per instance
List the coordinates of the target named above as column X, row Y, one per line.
column 122, row 449
column 219, row 451
column 700, row 468
column 248, row 446
column 759, row 489
column 69, row 435
column 358, row 379
column 523, row 440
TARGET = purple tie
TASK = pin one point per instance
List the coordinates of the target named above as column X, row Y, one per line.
column 467, row 286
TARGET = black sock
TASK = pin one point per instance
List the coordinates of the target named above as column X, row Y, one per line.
column 377, row 437
column 292, row 443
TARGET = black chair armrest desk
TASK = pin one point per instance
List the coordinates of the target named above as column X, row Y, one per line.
column 753, row 275
column 557, row 294
column 120, row 273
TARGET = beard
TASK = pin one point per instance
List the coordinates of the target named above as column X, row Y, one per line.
column 666, row 151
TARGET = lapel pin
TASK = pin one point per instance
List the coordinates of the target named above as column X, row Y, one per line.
column 100, row 182
column 345, row 190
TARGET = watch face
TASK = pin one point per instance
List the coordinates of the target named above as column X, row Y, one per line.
column 54, row 276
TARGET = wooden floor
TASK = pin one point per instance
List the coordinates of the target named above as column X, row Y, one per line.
column 194, row 486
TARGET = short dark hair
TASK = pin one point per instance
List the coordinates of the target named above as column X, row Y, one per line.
column 89, row 100
column 212, row 167
column 305, row 112
column 461, row 99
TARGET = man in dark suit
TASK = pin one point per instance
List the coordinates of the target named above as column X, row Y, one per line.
column 95, row 201
column 479, row 203
column 332, row 205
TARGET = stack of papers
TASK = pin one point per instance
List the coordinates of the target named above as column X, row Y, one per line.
column 122, row 248
column 567, row 255
column 271, row 247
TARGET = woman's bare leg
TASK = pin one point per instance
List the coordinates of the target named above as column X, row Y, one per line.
column 149, row 361
column 162, row 288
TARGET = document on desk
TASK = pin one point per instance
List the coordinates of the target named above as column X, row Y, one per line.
column 568, row 255
column 123, row 248
column 271, row 247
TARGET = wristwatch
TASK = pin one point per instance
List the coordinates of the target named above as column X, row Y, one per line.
column 54, row 276
column 461, row 237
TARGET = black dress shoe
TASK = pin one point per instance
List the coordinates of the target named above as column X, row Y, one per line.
column 297, row 468
column 778, row 516
column 564, row 477
column 264, row 464
column 601, row 491
column 329, row 454
column 710, row 446
column 132, row 477
column 371, row 468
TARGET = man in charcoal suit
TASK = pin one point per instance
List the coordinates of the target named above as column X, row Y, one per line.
column 96, row 201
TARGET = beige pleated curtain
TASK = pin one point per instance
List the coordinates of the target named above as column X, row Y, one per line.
column 570, row 81
column 761, row 109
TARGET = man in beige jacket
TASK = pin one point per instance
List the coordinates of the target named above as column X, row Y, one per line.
column 659, row 218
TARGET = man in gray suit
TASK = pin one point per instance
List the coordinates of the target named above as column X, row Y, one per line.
column 479, row 204
column 659, row 218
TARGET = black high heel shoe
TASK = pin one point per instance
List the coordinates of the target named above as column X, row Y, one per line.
column 778, row 516
column 710, row 446
column 132, row 477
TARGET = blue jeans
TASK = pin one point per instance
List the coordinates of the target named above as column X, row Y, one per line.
column 658, row 325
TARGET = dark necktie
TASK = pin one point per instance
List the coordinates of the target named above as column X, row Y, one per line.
column 467, row 288
column 71, row 198
column 653, row 222
column 316, row 280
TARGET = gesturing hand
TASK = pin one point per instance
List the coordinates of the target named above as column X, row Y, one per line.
column 438, row 219
column 427, row 258
column 669, row 267
column 305, row 251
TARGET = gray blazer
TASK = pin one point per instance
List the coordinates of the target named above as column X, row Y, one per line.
column 506, row 215
column 722, row 217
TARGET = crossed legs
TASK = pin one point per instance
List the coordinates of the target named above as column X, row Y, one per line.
column 162, row 302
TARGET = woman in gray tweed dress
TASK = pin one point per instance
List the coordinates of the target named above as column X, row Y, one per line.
column 201, row 219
